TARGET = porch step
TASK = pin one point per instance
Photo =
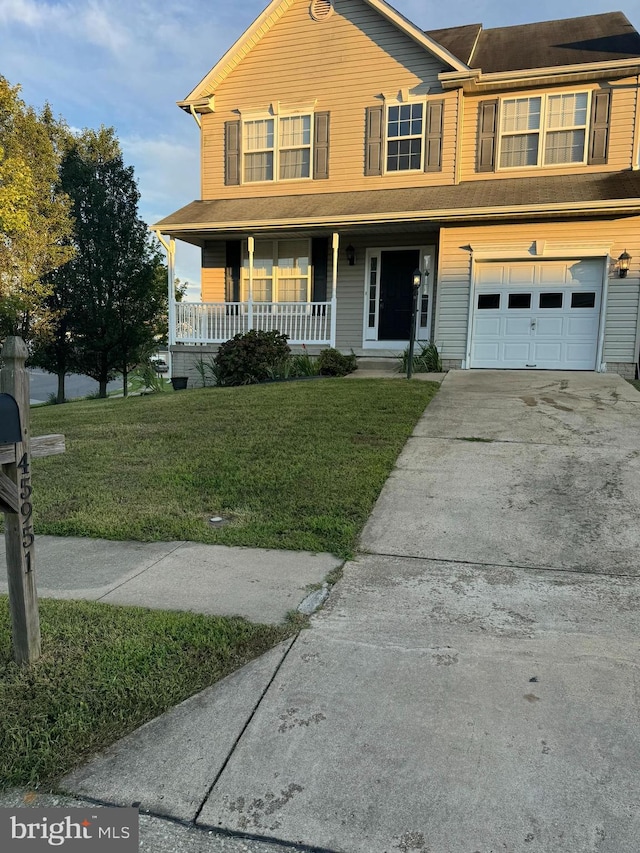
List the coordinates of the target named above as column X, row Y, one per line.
column 388, row 365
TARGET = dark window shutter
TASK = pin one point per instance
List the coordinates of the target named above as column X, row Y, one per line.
column 373, row 141
column 321, row 147
column 487, row 129
column 232, row 138
column 232, row 271
column 433, row 138
column 320, row 264
column 599, row 134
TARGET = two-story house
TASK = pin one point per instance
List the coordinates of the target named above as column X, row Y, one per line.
column 344, row 148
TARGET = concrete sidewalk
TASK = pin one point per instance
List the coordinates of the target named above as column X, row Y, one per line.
column 471, row 684
column 260, row 584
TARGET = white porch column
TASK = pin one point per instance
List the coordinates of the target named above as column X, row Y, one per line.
column 251, row 247
column 335, row 242
column 170, row 249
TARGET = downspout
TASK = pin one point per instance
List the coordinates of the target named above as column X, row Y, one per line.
column 170, row 249
column 335, row 242
column 635, row 155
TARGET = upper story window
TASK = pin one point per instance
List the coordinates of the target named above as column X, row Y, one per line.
column 405, row 124
column 277, row 148
column 543, row 130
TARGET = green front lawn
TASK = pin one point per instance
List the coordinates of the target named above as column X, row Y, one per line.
column 294, row 465
column 104, row 671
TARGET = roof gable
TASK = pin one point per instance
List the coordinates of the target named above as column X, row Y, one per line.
column 269, row 18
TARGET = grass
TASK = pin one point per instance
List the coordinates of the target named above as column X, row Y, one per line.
column 105, row 670
column 292, row 465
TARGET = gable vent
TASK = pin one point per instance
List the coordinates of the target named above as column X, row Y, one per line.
column 321, row 9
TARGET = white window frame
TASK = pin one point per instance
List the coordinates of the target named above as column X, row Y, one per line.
column 404, row 103
column 275, row 118
column 544, row 130
column 275, row 276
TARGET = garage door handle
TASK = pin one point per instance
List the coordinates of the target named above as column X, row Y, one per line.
column 533, row 324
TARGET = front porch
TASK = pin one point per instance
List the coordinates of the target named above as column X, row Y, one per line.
column 216, row 322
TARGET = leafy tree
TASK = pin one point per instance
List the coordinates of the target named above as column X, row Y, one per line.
column 110, row 296
column 34, row 213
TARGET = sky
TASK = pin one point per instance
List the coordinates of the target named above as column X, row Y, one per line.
column 125, row 63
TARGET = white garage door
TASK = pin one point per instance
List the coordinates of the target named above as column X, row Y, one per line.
column 542, row 314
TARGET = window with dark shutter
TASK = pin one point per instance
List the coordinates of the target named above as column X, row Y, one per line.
column 373, row 141
column 321, row 147
column 232, row 271
column 487, row 127
column 433, row 139
column 232, row 136
column 599, row 133
column 320, row 265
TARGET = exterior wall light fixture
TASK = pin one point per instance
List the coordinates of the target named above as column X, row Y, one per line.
column 623, row 264
column 351, row 255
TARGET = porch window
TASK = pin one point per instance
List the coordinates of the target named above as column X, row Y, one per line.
column 277, row 148
column 546, row 129
column 281, row 271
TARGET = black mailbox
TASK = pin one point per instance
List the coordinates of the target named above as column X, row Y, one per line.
column 10, row 432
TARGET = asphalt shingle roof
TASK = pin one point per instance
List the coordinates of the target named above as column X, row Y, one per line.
column 472, row 196
column 569, row 41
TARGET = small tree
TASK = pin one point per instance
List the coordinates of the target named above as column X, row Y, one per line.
column 34, row 213
column 111, row 295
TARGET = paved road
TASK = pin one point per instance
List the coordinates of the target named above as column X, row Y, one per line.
column 471, row 686
column 44, row 384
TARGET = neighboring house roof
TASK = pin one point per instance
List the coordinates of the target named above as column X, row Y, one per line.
column 570, row 41
column 498, row 198
column 272, row 14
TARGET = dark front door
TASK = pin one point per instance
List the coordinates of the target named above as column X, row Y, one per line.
column 396, row 275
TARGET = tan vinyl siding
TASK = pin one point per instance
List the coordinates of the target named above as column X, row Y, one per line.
column 621, row 142
column 213, row 271
column 345, row 64
column 454, row 272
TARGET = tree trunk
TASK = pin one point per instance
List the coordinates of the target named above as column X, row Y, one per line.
column 125, row 384
column 60, row 395
column 102, row 391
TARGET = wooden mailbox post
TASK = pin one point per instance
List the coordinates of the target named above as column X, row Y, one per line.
column 16, row 497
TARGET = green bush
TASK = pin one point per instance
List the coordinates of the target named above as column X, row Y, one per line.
column 333, row 363
column 250, row 358
column 426, row 361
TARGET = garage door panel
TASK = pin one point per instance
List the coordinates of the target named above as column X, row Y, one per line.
column 517, row 326
column 543, row 351
column 489, row 325
column 516, row 351
column 552, row 326
column 553, row 320
column 584, row 327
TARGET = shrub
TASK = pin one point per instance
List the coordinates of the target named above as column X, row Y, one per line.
column 250, row 358
column 426, row 361
column 333, row 363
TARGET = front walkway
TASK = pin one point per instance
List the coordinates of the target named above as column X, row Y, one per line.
column 472, row 684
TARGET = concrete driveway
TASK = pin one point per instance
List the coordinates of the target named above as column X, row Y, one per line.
column 472, row 685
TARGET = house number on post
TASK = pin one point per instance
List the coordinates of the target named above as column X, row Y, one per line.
column 26, row 510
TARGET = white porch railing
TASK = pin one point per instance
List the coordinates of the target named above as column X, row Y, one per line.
column 216, row 322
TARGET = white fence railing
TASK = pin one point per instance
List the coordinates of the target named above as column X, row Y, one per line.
column 216, row 322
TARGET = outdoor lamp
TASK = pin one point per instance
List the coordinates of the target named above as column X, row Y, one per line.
column 351, row 255
column 623, row 264
column 417, row 278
